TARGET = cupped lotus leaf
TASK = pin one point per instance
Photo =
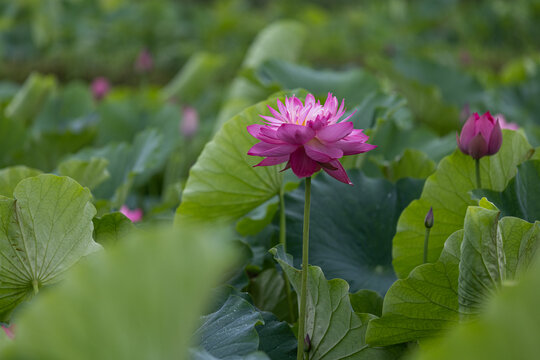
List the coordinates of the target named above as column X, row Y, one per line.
column 230, row 331
column 11, row 176
column 424, row 303
column 223, row 184
column 447, row 191
column 471, row 269
column 335, row 330
column 483, row 261
column 351, row 227
column 44, row 230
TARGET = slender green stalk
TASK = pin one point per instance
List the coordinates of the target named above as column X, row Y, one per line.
column 305, row 254
column 426, row 244
column 478, row 180
column 35, row 285
column 283, row 242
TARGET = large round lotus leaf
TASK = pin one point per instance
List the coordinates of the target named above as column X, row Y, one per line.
column 351, row 227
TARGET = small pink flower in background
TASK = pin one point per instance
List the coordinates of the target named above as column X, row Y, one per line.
column 144, row 62
column 309, row 137
column 190, row 121
column 100, row 87
column 9, row 330
column 133, row 215
column 480, row 136
column 504, row 124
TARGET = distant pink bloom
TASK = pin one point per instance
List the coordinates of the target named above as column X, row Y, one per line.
column 480, row 136
column 9, row 330
column 144, row 62
column 190, row 121
column 504, row 124
column 308, row 137
column 133, row 215
column 100, row 87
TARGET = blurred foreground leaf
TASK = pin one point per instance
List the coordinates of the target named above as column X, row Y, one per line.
column 140, row 300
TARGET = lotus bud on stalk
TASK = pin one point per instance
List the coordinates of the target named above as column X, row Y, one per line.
column 428, row 223
column 481, row 136
column 100, row 88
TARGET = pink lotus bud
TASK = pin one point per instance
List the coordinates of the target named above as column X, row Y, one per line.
column 9, row 330
column 504, row 124
column 480, row 136
column 100, row 87
column 144, row 62
column 190, row 121
column 133, row 215
column 428, row 221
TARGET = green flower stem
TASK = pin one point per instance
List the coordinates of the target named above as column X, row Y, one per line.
column 478, row 180
column 283, row 242
column 426, row 243
column 305, row 254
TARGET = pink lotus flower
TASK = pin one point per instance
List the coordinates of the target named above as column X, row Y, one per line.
column 308, row 137
column 144, row 62
column 190, row 122
column 133, row 215
column 504, row 124
column 100, row 87
column 480, row 136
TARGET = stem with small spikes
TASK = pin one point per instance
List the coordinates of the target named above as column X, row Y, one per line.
column 305, row 254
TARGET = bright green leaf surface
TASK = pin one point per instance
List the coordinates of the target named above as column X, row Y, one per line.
column 88, row 173
column 230, row 331
column 44, row 230
column 140, row 300
column 336, row 331
column 10, row 177
column 434, row 297
column 223, row 184
column 413, row 164
column 424, row 303
column 351, row 227
column 482, row 265
column 447, row 191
